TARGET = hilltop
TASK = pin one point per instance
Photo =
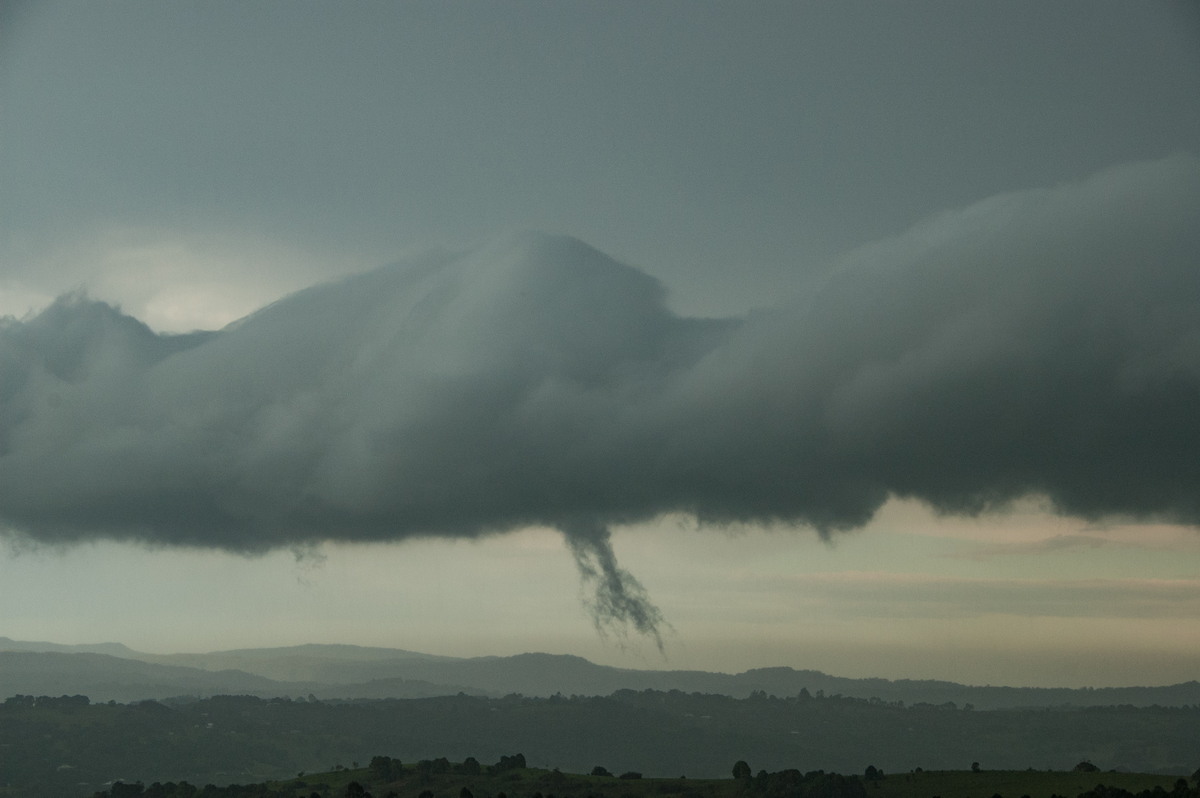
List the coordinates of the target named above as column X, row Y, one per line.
column 112, row 671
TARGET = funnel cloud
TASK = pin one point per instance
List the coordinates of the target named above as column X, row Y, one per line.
column 1044, row 342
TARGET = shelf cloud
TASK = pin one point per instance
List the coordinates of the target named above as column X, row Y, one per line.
column 1042, row 342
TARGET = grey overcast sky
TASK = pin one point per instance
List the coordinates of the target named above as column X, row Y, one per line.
column 948, row 254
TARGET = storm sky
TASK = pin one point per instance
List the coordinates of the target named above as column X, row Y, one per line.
column 859, row 337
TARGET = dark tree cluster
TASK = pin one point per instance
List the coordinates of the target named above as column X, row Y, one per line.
column 814, row 784
column 47, row 702
column 185, row 790
column 385, row 768
column 1180, row 790
column 514, row 762
column 434, row 767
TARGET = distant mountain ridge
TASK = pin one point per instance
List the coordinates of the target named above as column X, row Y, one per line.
column 112, row 671
column 111, row 649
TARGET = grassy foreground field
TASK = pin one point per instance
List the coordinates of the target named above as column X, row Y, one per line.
column 1009, row 783
column 534, row 783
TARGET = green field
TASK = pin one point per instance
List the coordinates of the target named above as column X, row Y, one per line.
column 527, row 783
column 1009, row 783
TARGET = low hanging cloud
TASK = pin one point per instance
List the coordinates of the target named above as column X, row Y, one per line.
column 1044, row 342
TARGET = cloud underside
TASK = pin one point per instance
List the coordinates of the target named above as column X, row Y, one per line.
column 1044, row 342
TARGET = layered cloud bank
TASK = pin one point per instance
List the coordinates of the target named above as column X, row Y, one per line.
column 1041, row 342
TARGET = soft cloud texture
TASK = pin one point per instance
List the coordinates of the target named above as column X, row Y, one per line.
column 730, row 151
column 1044, row 342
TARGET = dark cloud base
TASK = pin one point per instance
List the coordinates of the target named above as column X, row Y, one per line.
column 1042, row 342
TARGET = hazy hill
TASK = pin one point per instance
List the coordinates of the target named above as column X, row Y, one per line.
column 111, row 649
column 338, row 671
column 333, row 664
column 106, row 678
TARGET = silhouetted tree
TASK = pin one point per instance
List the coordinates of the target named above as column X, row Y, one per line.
column 385, row 768
column 741, row 770
column 514, row 762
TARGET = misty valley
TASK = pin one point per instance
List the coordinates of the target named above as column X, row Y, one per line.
column 148, row 722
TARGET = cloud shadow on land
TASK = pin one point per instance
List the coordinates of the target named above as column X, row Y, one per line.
column 1042, row 342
